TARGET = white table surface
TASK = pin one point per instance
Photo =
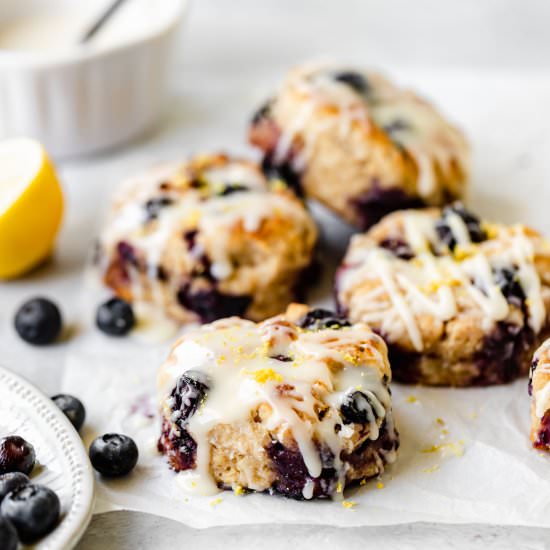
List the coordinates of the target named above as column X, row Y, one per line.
column 228, row 57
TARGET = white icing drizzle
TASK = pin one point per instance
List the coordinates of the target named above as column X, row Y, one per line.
column 424, row 133
column 402, row 290
column 238, row 358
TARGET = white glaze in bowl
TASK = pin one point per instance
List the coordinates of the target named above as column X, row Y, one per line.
column 82, row 99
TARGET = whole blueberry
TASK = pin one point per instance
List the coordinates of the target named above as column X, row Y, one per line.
column 318, row 319
column 115, row 317
column 472, row 222
column 113, row 455
column 11, row 481
column 262, row 112
column 38, row 321
column 356, row 408
column 190, row 390
column 230, row 188
column 354, row 80
column 154, row 206
column 8, row 535
column 397, row 125
column 33, row 510
column 72, row 408
column 16, row 455
column 507, row 281
column 398, row 247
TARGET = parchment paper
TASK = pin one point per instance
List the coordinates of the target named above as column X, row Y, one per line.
column 485, row 473
column 464, row 456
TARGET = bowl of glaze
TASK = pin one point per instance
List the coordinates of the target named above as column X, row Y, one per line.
column 83, row 98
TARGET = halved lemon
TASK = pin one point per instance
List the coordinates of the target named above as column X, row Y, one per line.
column 31, row 206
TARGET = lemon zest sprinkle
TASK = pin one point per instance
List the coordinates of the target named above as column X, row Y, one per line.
column 349, row 504
column 263, row 375
column 456, row 448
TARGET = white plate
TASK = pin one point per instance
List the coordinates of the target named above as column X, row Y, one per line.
column 62, row 462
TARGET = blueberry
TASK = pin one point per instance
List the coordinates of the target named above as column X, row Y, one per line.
column 209, row 304
column 38, row 321
column 397, row 125
column 154, row 206
column 8, row 535
column 356, row 408
column 72, row 408
column 113, row 455
column 190, row 238
column 283, row 171
column 543, row 435
column 115, row 317
column 372, row 205
column 292, row 472
column 16, row 455
column 10, row 481
column 190, row 390
column 230, row 188
column 180, row 448
column 127, row 253
column 353, row 79
column 318, row 319
column 508, row 283
column 398, row 247
column 445, row 233
column 280, row 357
column 33, row 510
column 262, row 112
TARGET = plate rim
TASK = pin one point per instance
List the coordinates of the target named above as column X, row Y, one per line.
column 78, row 516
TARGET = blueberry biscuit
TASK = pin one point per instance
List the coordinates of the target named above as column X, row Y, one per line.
column 359, row 144
column 539, row 389
column 458, row 301
column 206, row 239
column 297, row 405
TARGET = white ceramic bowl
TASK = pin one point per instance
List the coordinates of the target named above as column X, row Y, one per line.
column 87, row 98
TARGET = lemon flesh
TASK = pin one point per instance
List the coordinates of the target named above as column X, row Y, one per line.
column 31, row 206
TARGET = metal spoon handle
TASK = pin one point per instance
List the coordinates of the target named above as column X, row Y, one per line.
column 103, row 18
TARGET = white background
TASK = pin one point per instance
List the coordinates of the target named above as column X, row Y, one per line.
column 228, row 57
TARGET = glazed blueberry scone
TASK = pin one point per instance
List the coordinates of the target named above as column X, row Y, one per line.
column 359, row 144
column 297, row 405
column 459, row 302
column 539, row 389
column 206, row 239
